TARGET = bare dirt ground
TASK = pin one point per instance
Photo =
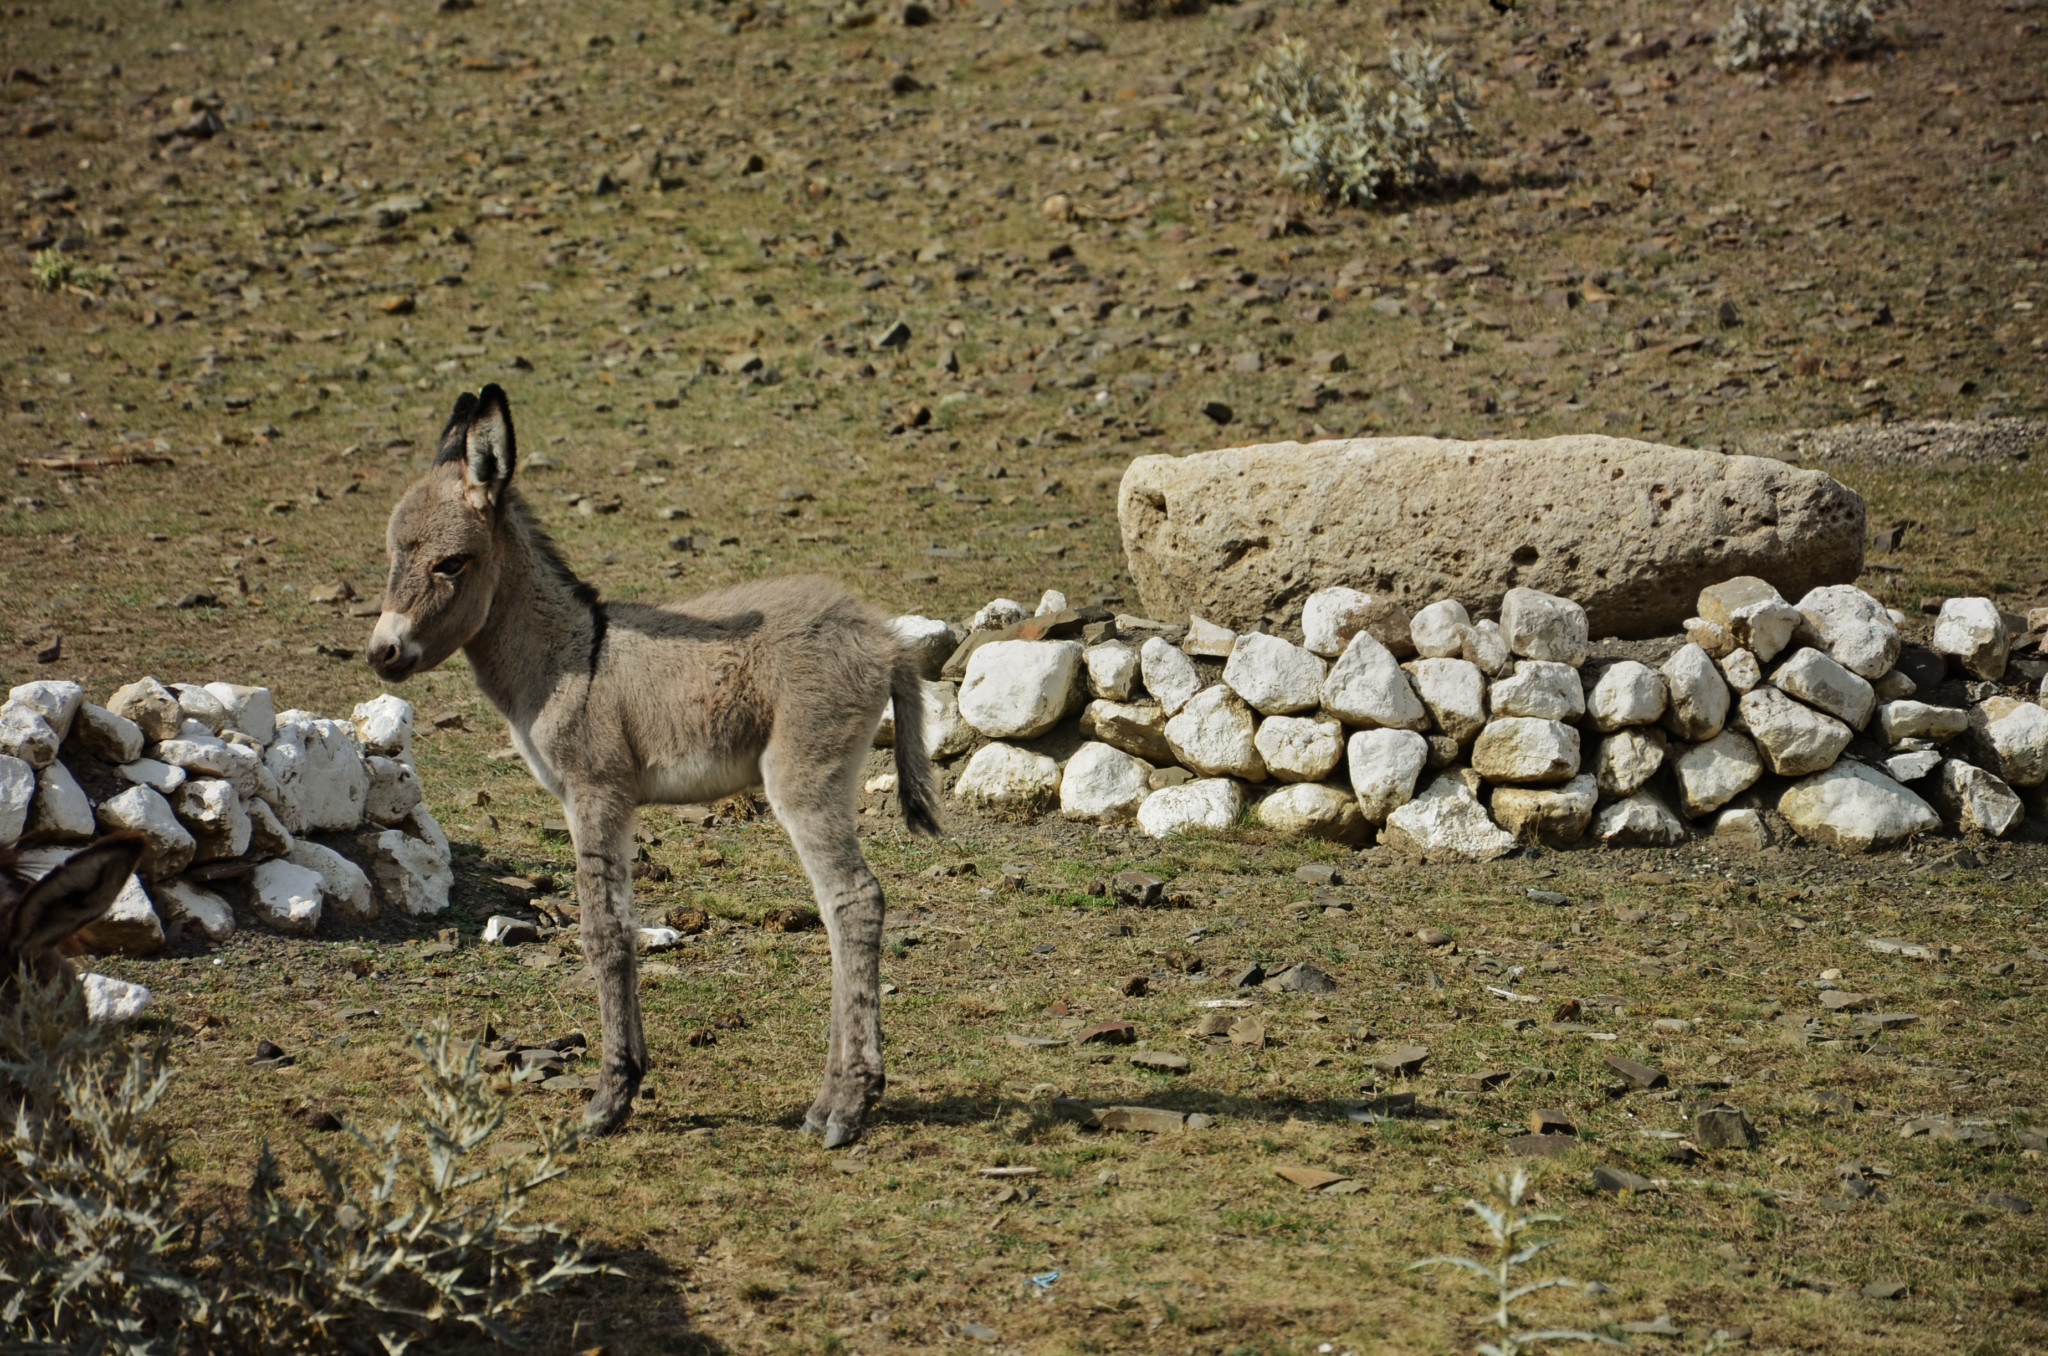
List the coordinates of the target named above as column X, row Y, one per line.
column 675, row 234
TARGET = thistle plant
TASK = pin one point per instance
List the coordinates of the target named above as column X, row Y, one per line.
column 1344, row 139
column 53, row 271
column 1799, row 30
column 1506, row 1220
column 410, row 1231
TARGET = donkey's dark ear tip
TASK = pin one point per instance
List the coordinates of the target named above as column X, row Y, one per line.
column 492, row 394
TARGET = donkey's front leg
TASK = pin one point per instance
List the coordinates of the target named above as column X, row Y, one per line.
column 602, row 826
column 851, row 900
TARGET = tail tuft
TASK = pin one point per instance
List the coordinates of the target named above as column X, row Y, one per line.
column 916, row 789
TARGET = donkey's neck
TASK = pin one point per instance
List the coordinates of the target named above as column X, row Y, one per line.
column 545, row 624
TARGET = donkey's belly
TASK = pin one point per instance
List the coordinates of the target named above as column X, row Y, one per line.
column 698, row 778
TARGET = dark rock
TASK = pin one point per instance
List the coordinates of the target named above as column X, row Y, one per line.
column 1641, row 1075
column 1542, row 1146
column 1302, row 979
column 1108, row 1033
column 1723, row 1127
column 1137, row 889
column 1614, row 1181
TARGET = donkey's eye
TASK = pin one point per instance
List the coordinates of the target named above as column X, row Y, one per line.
column 451, row 567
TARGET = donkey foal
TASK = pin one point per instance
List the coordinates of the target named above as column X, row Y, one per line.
column 778, row 684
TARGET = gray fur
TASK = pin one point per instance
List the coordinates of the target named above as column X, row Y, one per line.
column 778, row 683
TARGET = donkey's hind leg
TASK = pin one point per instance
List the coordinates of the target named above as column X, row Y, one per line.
column 816, row 807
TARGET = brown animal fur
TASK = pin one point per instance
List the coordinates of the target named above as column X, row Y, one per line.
column 779, row 683
column 39, row 917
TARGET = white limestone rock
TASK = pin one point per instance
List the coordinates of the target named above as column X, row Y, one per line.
column 1742, row 671
column 1169, row 675
column 56, row 700
column 1698, row 699
column 113, row 1002
column 1555, row 816
column 249, row 709
column 1368, row 687
column 1743, row 826
column 209, row 808
column 129, row 927
column 61, row 813
column 1215, row 736
column 1795, row 739
column 1137, row 728
column 24, row 734
column 17, row 794
column 929, row 640
column 1523, row 750
column 1540, row 689
column 238, row 764
column 159, row 777
column 1710, row 775
column 1313, row 810
column 1005, row 779
column 1976, row 799
column 995, row 615
column 1854, row 628
column 1384, row 766
column 1439, row 629
column 1207, row 640
column 1543, row 626
column 1912, row 765
column 1628, row 758
column 412, row 867
column 321, row 777
column 2013, row 738
column 106, row 736
column 1299, row 748
column 1856, row 809
column 1628, row 693
column 194, row 909
column 1820, row 682
column 1709, row 636
column 946, row 735
column 345, row 890
column 268, row 837
column 1273, row 676
column 152, row 706
column 384, row 726
column 1454, row 692
column 1902, row 720
column 1112, row 671
column 1752, row 613
column 1210, row 803
column 202, row 706
column 1640, row 820
column 1487, row 649
column 1446, row 822
column 1050, row 604
column 1972, row 634
column 141, row 810
column 286, row 898
column 1893, row 686
column 394, row 790
column 1103, row 784
column 1332, row 616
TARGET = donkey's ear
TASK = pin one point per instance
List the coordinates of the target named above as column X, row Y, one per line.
column 489, row 450
column 75, row 893
column 454, row 444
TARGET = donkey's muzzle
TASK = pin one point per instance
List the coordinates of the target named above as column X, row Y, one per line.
column 392, row 654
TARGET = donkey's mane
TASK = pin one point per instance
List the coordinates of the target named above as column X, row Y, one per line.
column 550, row 556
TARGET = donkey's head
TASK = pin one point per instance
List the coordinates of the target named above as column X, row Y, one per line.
column 443, row 542
column 38, row 916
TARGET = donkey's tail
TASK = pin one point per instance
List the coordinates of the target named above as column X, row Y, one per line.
column 916, row 790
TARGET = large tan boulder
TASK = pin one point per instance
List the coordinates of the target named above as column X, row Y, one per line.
column 1631, row 531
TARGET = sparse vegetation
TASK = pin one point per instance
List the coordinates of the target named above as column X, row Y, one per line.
column 1340, row 136
column 1798, row 30
column 54, row 271
column 1510, row 1225
column 404, row 1236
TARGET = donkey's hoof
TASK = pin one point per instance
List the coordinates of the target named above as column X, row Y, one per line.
column 606, row 1114
column 839, row 1134
column 814, row 1120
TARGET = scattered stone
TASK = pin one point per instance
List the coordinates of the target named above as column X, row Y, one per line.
column 1019, row 689
column 1003, row 778
column 1796, row 739
column 1541, row 1146
column 1159, row 1061
column 1975, row 799
column 1103, row 784
column 1403, row 1061
column 1543, row 626
column 1723, row 1127
column 1211, row 803
column 1446, row 823
column 1855, row 809
column 1272, row 676
column 1302, row 978
column 1819, row 681
column 1614, row 1181
column 1641, row 1075
column 1710, row 775
column 1137, row 889
column 1972, row 634
column 1147, row 1120
column 113, row 1002
column 501, row 930
column 1698, row 698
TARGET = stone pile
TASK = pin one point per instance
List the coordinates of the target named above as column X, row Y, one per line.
column 1458, row 739
column 285, row 820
